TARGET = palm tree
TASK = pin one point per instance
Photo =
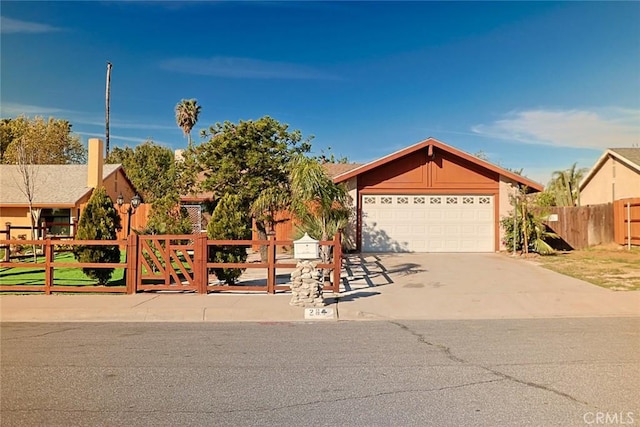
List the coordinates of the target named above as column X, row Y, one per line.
column 320, row 206
column 265, row 209
column 564, row 185
column 187, row 112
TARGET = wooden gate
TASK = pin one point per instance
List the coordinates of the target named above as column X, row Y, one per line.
column 167, row 263
column 180, row 263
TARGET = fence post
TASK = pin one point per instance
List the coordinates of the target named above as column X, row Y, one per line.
column 629, row 225
column 7, row 249
column 337, row 262
column 48, row 269
column 271, row 265
column 131, row 275
column 200, row 255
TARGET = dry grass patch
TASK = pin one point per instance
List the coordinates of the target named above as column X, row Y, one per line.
column 612, row 267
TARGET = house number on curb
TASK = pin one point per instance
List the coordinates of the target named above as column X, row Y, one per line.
column 318, row 313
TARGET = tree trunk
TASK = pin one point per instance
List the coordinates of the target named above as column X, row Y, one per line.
column 262, row 235
column 32, row 215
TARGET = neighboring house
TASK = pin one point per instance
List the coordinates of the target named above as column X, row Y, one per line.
column 61, row 191
column 430, row 197
column 615, row 176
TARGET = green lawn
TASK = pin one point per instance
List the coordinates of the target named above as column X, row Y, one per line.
column 61, row 276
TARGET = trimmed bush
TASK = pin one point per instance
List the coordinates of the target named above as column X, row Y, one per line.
column 228, row 222
column 99, row 221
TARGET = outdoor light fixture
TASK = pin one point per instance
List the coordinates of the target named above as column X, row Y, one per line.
column 135, row 201
column 131, row 209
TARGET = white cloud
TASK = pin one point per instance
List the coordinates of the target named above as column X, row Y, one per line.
column 10, row 109
column 604, row 128
column 245, row 68
column 112, row 137
column 14, row 26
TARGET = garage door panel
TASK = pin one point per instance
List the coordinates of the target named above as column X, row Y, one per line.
column 485, row 215
column 427, row 223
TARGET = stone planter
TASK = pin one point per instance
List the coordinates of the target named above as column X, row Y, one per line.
column 306, row 287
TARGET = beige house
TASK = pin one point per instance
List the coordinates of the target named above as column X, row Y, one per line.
column 61, row 191
column 615, row 176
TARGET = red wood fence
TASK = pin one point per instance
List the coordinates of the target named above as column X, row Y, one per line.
column 626, row 216
column 165, row 262
column 584, row 226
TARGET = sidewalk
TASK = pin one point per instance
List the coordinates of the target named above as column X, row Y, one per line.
column 375, row 287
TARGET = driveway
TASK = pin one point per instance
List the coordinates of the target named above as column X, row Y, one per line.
column 469, row 286
column 375, row 287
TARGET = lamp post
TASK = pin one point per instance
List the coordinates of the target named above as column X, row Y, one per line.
column 131, row 209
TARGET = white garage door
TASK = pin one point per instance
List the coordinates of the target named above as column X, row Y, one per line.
column 427, row 223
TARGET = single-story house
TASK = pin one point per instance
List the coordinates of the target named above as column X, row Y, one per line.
column 430, row 197
column 615, row 176
column 61, row 191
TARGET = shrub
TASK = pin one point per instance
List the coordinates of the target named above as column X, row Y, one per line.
column 99, row 221
column 228, row 222
column 537, row 234
column 168, row 217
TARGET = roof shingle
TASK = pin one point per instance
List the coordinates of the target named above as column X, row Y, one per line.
column 55, row 184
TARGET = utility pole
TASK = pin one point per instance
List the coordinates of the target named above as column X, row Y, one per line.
column 108, row 95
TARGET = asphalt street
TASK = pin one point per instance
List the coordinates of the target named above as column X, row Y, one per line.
column 526, row 372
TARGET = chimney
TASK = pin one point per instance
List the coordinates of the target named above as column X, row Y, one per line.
column 95, row 164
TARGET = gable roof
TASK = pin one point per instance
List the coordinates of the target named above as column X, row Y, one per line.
column 628, row 156
column 60, row 185
column 428, row 144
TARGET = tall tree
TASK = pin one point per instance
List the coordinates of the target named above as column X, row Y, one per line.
column 152, row 170
column 50, row 141
column 564, row 185
column 246, row 159
column 28, row 173
column 187, row 112
column 150, row 167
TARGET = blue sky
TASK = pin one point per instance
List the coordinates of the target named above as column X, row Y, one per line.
column 533, row 85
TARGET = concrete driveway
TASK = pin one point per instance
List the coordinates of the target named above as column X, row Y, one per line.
column 470, row 286
column 375, row 287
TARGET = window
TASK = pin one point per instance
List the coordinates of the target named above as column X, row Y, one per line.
column 403, row 200
column 452, row 200
column 368, row 200
column 57, row 221
column 420, row 200
column 385, row 200
column 467, row 200
column 435, row 200
column 484, row 200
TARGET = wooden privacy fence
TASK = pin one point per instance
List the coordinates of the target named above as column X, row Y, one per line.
column 626, row 214
column 164, row 263
column 584, row 226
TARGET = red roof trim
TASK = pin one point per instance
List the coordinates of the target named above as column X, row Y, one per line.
column 427, row 143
